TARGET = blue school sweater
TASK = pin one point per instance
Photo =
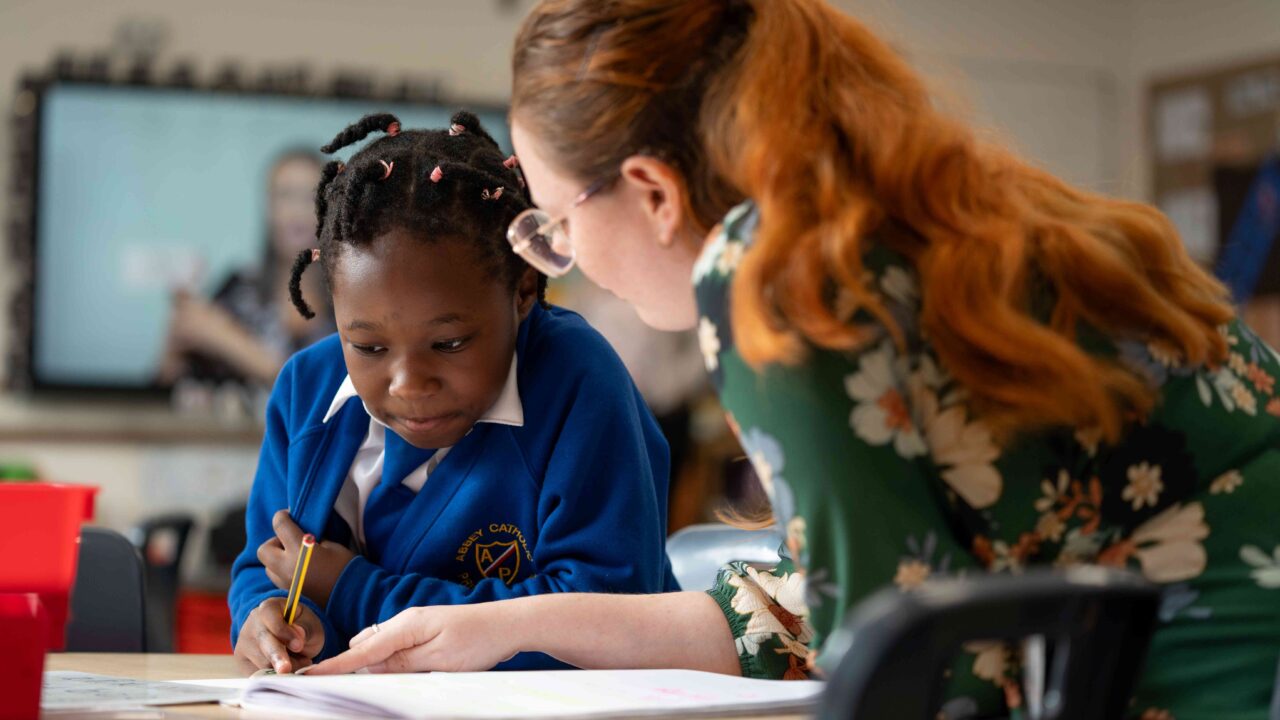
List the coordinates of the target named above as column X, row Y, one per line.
column 573, row 501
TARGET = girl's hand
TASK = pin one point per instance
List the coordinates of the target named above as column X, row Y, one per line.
column 279, row 556
column 267, row 641
column 451, row 638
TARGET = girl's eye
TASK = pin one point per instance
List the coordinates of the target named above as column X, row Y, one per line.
column 370, row 350
column 451, row 346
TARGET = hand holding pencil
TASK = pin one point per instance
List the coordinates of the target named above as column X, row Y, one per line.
column 267, row 641
column 280, row 556
column 282, row 635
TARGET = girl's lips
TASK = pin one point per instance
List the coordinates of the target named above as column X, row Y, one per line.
column 426, row 424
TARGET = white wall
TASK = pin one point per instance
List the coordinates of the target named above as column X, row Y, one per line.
column 1067, row 81
column 1179, row 35
column 1042, row 75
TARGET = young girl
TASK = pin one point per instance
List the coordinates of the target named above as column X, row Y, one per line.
column 458, row 440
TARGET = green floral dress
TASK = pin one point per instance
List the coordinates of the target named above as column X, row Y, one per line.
column 879, row 475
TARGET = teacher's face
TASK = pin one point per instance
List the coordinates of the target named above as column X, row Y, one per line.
column 632, row 238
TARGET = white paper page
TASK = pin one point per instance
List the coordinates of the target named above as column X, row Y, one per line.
column 239, row 683
column 65, row 690
column 541, row 694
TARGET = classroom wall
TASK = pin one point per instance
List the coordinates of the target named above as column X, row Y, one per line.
column 1039, row 75
column 1063, row 81
column 1042, row 70
column 1171, row 37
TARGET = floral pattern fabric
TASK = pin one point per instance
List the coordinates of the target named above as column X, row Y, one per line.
column 880, row 475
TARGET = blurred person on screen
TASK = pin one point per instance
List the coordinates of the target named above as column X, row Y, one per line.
column 247, row 329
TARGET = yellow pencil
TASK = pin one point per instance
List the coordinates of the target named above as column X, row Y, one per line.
column 299, row 577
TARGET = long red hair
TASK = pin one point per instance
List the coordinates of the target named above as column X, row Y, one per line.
column 804, row 110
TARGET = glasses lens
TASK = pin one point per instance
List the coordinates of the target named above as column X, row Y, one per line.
column 535, row 246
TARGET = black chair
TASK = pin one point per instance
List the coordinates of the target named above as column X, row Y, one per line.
column 1275, row 697
column 227, row 536
column 163, row 541
column 1096, row 623
column 108, row 600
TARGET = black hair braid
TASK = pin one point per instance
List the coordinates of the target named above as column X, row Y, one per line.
column 480, row 179
column 360, row 185
column 433, row 183
column 300, row 264
column 360, row 130
column 471, row 123
column 327, row 174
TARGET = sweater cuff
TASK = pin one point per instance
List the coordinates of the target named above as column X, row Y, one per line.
column 333, row 644
column 345, row 601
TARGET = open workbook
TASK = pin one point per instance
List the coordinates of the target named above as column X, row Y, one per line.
column 541, row 694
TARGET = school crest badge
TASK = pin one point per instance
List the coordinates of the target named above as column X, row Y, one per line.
column 499, row 560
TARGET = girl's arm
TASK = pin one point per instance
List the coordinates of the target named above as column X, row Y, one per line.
column 250, row 585
column 685, row 630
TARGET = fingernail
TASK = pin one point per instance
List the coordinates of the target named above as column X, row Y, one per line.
column 296, row 645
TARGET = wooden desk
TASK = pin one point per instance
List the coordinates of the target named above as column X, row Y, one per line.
column 156, row 666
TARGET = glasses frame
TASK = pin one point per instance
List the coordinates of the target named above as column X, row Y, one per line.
column 521, row 245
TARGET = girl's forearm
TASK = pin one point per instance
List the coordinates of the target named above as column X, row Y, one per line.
column 684, row 630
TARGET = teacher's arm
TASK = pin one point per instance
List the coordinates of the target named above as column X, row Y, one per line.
column 685, row 630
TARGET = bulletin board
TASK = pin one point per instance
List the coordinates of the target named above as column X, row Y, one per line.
column 1214, row 141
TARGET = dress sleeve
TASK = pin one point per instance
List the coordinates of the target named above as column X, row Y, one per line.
column 766, row 614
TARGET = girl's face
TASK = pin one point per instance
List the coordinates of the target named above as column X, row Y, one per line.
column 428, row 332
column 631, row 239
column 292, row 206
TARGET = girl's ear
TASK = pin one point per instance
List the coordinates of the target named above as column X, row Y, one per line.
column 526, row 292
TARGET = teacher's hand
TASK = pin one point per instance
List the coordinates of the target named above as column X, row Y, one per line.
column 451, row 638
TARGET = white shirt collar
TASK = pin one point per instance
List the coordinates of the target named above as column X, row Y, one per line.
column 508, row 410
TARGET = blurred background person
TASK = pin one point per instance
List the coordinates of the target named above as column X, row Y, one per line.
column 247, row 329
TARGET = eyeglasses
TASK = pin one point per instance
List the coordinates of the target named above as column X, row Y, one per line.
column 534, row 234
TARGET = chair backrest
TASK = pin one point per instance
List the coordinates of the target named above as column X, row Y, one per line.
column 227, row 537
column 1275, row 697
column 697, row 552
column 1098, row 623
column 163, row 541
column 108, row 601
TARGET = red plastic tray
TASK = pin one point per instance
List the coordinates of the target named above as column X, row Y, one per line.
column 40, row 543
